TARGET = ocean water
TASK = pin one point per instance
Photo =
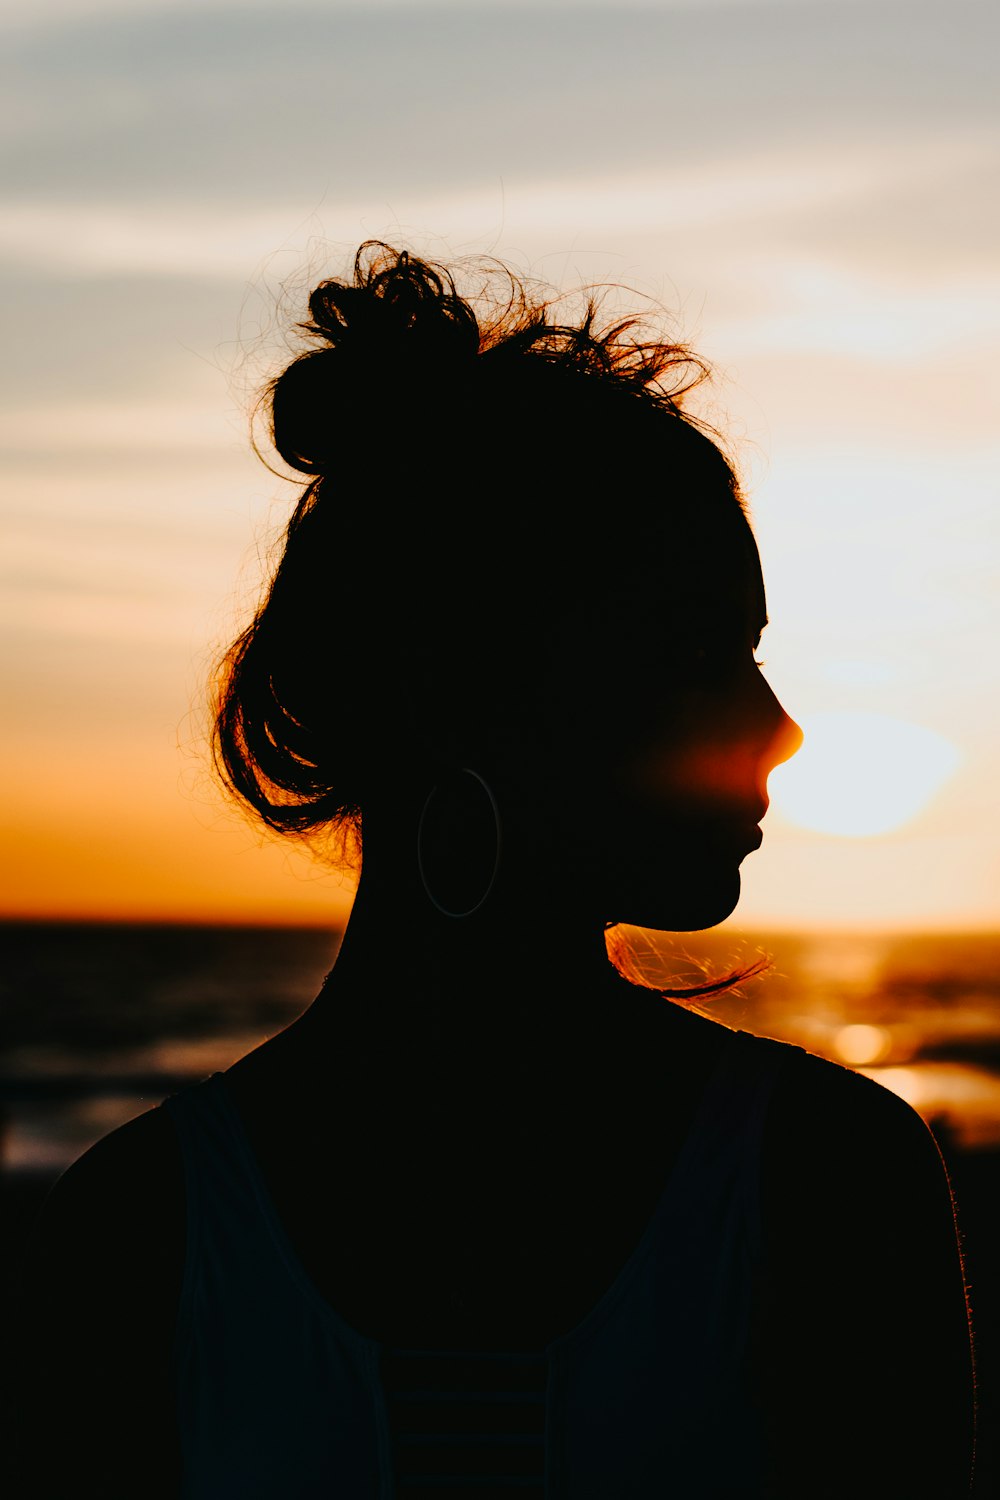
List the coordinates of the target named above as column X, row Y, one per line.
column 101, row 1021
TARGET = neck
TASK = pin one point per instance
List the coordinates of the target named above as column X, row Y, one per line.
column 518, row 988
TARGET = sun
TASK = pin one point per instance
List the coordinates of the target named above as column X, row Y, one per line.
column 859, row 774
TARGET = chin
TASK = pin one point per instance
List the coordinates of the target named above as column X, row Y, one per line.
column 690, row 906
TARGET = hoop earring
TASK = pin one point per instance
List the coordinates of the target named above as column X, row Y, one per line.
column 444, row 910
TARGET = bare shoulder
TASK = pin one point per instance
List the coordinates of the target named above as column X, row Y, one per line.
column 115, row 1218
column 846, row 1109
column 851, row 1175
column 137, row 1166
column 96, row 1308
column 864, row 1318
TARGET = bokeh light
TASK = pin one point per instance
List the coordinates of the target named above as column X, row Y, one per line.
column 859, row 1044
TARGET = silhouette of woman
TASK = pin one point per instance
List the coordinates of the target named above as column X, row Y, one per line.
column 489, row 1218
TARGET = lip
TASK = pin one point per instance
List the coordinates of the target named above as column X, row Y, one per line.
column 754, row 821
column 742, row 836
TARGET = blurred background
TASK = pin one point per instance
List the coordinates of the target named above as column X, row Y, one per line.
column 809, row 190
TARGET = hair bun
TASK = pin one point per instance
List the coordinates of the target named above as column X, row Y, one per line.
column 399, row 316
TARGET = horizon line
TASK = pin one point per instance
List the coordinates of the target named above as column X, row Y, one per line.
column 337, row 925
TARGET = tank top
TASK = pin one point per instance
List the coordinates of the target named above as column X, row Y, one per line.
column 650, row 1395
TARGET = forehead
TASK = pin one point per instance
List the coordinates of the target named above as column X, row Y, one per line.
column 708, row 568
column 745, row 576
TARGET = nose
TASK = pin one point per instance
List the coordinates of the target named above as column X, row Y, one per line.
column 787, row 740
column 780, row 736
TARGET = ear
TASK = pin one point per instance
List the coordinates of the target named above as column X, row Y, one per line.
column 454, row 719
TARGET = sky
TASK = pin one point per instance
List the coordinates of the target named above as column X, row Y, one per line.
column 809, row 188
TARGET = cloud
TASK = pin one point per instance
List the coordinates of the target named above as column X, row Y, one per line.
column 295, row 104
column 88, row 12
column 769, row 194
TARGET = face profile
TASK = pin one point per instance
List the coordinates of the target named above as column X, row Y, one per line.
column 669, row 778
column 704, row 777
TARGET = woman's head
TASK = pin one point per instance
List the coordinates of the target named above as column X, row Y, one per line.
column 515, row 553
